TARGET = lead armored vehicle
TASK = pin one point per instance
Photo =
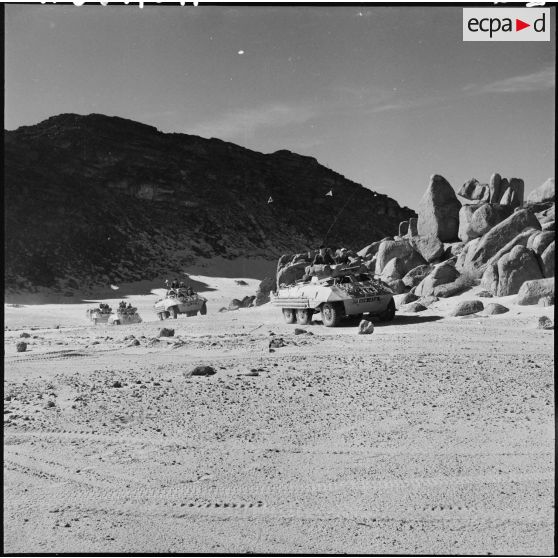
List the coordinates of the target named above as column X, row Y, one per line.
column 175, row 303
column 344, row 294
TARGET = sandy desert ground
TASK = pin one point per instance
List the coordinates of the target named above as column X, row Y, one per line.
column 432, row 435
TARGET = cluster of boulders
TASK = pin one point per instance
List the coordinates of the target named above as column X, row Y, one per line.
column 496, row 239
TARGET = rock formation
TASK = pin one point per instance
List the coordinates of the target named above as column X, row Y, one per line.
column 94, row 200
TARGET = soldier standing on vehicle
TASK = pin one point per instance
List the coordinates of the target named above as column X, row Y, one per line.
column 323, row 257
column 343, row 257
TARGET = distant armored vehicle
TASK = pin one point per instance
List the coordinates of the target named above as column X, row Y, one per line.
column 175, row 303
column 105, row 315
column 99, row 315
column 125, row 316
column 345, row 293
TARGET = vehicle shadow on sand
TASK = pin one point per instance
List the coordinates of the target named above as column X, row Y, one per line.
column 400, row 319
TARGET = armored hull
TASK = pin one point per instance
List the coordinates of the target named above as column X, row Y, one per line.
column 338, row 297
column 172, row 306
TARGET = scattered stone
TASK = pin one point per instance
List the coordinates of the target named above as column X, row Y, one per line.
column 166, row 332
column 50, row 404
column 299, row 331
column 438, row 212
column 241, row 282
column 494, row 308
column 532, row 291
column 545, row 323
column 277, row 342
column 365, row 327
column 25, row 334
column 223, row 309
column 234, row 304
column 485, row 294
column 201, row 371
column 467, row 307
column 21, row 347
column 134, row 343
column 117, row 384
column 413, row 307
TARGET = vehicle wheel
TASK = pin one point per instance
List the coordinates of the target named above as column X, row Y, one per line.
column 303, row 317
column 166, row 315
column 289, row 315
column 389, row 313
column 116, row 322
column 173, row 312
column 160, row 314
column 331, row 315
column 203, row 309
column 95, row 321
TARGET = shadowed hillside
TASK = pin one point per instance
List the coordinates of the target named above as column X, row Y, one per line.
column 96, row 199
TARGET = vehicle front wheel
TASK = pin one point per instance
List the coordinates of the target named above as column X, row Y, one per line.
column 289, row 315
column 331, row 315
column 389, row 313
column 203, row 309
column 303, row 317
column 160, row 315
column 173, row 312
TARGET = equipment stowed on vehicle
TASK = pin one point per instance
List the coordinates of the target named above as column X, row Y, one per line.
column 344, row 293
column 174, row 304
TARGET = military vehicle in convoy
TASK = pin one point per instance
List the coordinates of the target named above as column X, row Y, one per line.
column 105, row 315
column 343, row 294
column 125, row 316
column 173, row 304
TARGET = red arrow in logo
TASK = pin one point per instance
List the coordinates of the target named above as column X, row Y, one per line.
column 519, row 25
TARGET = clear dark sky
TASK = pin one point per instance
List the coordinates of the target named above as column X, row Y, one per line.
column 385, row 96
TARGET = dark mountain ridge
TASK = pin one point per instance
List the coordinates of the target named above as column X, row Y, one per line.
column 91, row 200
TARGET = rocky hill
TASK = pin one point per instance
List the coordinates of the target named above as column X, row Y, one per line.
column 97, row 200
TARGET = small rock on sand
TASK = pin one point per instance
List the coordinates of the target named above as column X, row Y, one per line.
column 494, row 308
column 467, row 307
column 25, row 334
column 413, row 307
column 201, row 371
column 485, row 294
column 545, row 323
column 365, row 327
column 21, row 347
column 166, row 332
